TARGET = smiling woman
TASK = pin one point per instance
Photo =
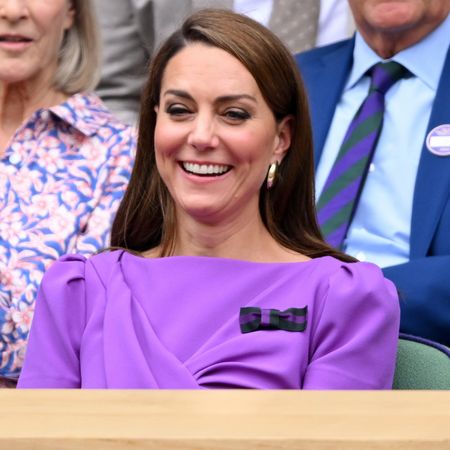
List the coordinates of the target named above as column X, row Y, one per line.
column 222, row 279
column 64, row 159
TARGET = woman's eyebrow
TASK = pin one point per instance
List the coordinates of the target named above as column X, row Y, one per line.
column 221, row 99
column 230, row 98
column 178, row 93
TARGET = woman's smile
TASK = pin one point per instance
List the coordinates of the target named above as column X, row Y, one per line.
column 205, row 169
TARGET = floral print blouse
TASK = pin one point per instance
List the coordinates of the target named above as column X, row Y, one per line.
column 61, row 180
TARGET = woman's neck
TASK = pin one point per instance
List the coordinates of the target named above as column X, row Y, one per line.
column 19, row 101
column 245, row 238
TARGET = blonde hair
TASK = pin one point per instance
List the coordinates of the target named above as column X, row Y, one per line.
column 79, row 56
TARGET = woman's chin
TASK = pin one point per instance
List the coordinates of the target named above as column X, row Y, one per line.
column 202, row 210
column 10, row 75
column 206, row 214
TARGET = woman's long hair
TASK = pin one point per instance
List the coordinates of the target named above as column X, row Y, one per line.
column 146, row 216
column 78, row 65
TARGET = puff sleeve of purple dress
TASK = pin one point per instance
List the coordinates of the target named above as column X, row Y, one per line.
column 121, row 321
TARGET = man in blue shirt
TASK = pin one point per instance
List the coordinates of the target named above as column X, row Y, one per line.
column 402, row 218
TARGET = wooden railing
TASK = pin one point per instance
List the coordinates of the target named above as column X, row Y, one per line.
column 222, row 419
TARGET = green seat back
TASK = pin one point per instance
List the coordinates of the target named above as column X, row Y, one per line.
column 421, row 364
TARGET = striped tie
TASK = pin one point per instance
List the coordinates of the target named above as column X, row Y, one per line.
column 340, row 194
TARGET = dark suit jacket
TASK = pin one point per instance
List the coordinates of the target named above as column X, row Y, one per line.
column 424, row 281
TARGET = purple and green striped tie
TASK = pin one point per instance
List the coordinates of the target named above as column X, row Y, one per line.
column 339, row 198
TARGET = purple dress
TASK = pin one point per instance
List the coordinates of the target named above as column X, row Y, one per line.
column 121, row 321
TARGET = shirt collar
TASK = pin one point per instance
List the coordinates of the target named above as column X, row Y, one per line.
column 425, row 59
column 84, row 112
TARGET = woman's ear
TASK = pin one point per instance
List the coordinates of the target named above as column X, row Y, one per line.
column 284, row 137
column 70, row 16
column 156, row 109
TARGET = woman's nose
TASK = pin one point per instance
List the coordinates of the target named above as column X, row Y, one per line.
column 13, row 10
column 203, row 134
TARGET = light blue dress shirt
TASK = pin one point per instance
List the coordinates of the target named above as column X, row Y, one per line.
column 381, row 227
column 335, row 21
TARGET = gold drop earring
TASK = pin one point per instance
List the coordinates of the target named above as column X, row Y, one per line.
column 271, row 174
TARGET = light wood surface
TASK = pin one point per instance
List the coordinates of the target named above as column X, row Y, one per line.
column 236, row 419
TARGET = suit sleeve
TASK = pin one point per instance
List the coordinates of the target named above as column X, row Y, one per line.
column 354, row 339
column 125, row 54
column 424, row 289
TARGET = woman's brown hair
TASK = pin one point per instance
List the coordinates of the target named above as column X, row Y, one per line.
column 146, row 216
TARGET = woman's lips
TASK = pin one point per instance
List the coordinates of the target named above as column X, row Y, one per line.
column 14, row 42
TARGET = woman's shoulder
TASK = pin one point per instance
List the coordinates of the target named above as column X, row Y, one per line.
column 333, row 265
column 358, row 283
column 359, row 274
column 75, row 266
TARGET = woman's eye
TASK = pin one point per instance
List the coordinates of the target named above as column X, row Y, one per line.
column 236, row 115
column 177, row 110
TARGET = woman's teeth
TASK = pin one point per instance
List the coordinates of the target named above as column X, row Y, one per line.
column 205, row 169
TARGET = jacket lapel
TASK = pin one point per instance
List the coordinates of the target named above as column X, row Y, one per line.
column 432, row 188
column 325, row 79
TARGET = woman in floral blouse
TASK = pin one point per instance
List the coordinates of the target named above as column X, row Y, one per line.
column 64, row 159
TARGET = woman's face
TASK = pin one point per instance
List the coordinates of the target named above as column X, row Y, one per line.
column 215, row 135
column 31, row 32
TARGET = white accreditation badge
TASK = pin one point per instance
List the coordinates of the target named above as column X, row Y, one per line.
column 438, row 140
